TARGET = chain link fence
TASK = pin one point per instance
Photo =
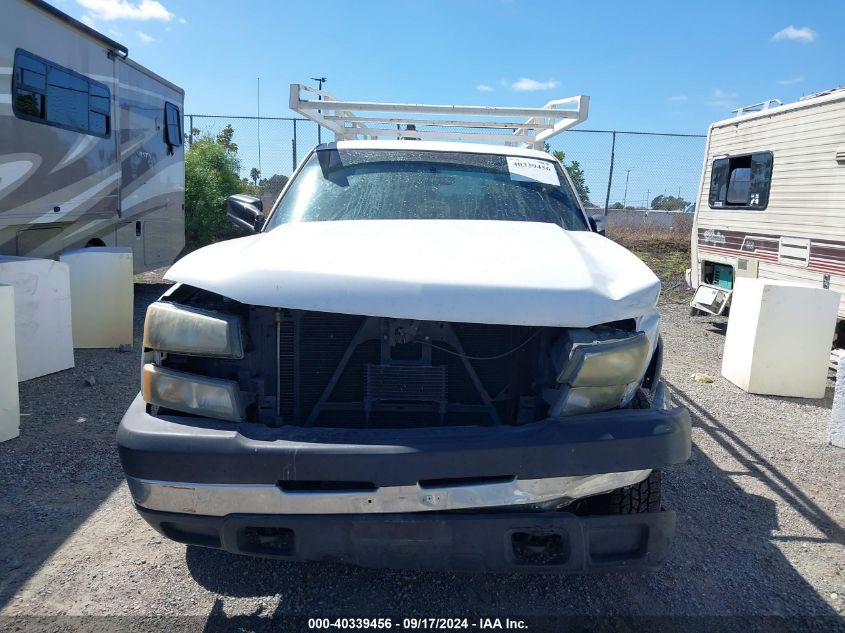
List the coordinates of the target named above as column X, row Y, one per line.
column 621, row 169
column 631, row 169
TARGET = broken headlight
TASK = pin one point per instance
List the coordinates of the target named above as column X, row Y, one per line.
column 598, row 375
column 189, row 393
column 170, row 327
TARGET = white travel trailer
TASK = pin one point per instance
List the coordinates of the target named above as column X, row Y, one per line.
column 90, row 142
column 772, row 199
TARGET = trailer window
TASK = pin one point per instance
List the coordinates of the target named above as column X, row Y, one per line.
column 741, row 182
column 47, row 93
column 173, row 125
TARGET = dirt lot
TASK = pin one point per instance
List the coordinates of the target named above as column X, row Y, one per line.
column 760, row 506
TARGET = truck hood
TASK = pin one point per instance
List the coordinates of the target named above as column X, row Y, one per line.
column 473, row 271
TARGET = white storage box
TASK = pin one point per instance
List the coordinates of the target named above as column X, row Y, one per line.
column 10, row 412
column 42, row 314
column 779, row 338
column 101, row 295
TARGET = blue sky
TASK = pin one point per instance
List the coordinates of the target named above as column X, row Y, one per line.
column 659, row 66
column 647, row 66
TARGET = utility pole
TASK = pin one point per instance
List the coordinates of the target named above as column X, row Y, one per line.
column 293, row 143
column 610, row 175
column 647, row 194
column 320, row 81
column 258, row 119
column 625, row 197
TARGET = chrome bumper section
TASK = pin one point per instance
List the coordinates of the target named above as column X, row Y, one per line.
column 224, row 499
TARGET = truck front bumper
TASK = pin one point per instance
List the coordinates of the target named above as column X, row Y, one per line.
column 552, row 542
column 460, row 497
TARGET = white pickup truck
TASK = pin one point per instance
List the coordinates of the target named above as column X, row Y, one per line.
column 426, row 356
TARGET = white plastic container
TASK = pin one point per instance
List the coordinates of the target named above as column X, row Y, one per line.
column 101, row 295
column 779, row 338
column 42, row 314
column 10, row 412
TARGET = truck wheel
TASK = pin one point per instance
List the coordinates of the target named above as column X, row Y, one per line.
column 641, row 497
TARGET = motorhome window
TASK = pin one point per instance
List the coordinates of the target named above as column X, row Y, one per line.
column 47, row 93
column 741, row 182
column 67, row 99
column 98, row 109
column 30, row 86
column 173, row 127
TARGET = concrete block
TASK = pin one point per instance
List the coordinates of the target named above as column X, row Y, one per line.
column 101, row 295
column 10, row 412
column 779, row 338
column 42, row 314
column 836, row 431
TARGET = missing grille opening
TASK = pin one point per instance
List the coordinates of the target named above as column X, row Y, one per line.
column 465, row 481
column 326, row 486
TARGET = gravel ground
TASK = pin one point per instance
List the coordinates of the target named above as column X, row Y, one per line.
column 760, row 513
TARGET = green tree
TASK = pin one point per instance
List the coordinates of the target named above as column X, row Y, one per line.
column 576, row 174
column 254, row 175
column 668, row 203
column 273, row 185
column 211, row 175
column 225, row 139
column 617, row 205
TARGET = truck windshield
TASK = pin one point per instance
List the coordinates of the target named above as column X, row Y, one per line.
column 363, row 184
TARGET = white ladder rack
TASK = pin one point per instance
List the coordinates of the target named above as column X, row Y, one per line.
column 758, row 107
column 350, row 120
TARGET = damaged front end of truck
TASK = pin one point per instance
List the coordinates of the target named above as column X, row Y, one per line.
column 423, row 358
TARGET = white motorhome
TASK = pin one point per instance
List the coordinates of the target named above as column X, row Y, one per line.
column 90, row 142
column 772, row 199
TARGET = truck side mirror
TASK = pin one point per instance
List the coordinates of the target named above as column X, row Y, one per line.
column 598, row 223
column 246, row 211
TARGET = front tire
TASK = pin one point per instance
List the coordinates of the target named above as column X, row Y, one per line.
column 644, row 496
column 641, row 497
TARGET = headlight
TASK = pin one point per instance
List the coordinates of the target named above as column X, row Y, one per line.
column 601, row 375
column 170, row 327
column 189, row 393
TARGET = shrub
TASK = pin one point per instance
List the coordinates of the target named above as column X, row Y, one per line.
column 211, row 174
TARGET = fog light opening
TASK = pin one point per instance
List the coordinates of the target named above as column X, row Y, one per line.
column 539, row 548
column 267, row 540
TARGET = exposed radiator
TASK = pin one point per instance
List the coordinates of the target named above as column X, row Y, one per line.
column 354, row 371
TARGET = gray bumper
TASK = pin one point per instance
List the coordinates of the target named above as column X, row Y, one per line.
column 203, row 451
column 528, row 542
column 406, row 498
